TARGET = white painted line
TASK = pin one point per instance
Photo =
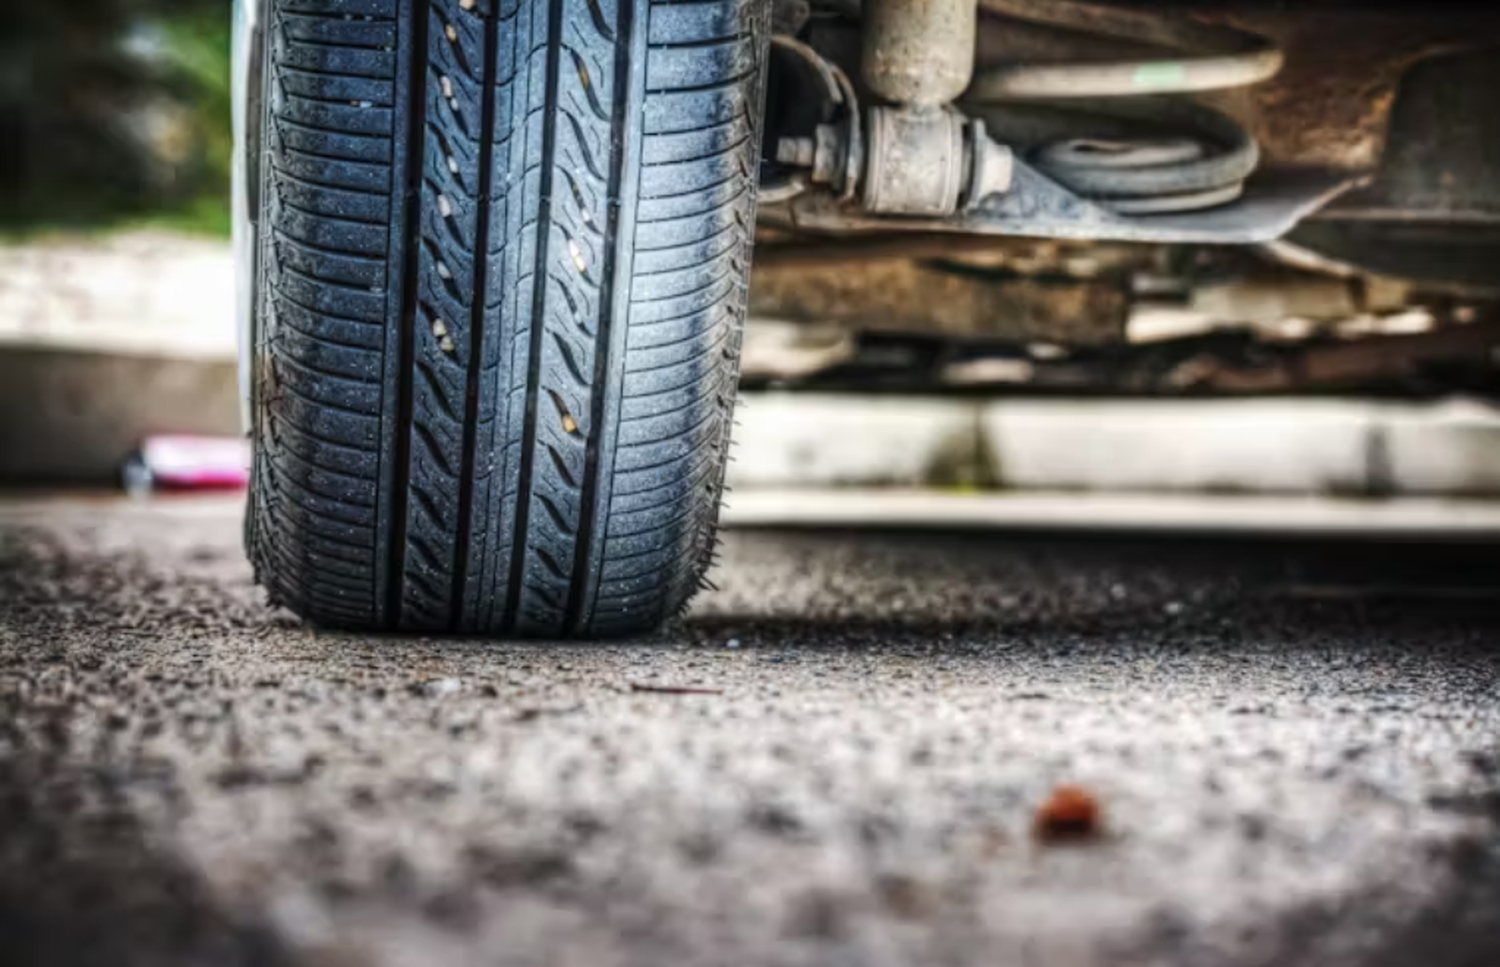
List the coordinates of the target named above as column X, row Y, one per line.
column 1236, row 514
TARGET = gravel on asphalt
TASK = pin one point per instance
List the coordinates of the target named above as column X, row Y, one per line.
column 838, row 757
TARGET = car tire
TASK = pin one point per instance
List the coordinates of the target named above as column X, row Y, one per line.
column 503, row 249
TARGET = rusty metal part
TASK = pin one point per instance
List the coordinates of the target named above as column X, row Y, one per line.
column 1330, row 105
column 918, row 52
column 1457, row 358
column 1038, row 206
column 1275, row 299
column 1443, row 161
column 1015, row 256
column 903, row 160
column 833, row 149
column 1321, row 122
column 830, row 156
column 1279, row 305
column 915, row 161
column 1149, row 173
column 1375, row 359
column 904, row 296
column 907, row 161
column 921, row 158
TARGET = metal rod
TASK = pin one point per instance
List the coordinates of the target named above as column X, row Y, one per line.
column 1175, row 76
column 1216, row 57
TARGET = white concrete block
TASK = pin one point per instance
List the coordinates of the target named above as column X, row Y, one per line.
column 1446, row 448
column 1303, row 446
column 1308, row 514
column 787, row 440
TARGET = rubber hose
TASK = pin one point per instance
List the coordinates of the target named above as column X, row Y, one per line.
column 1134, row 173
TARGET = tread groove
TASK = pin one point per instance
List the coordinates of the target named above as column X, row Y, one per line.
column 476, row 323
column 539, row 273
column 401, row 471
column 610, row 305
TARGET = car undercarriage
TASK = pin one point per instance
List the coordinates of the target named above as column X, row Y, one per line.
column 1056, row 196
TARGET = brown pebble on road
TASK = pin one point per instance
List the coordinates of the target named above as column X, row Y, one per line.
column 1070, row 814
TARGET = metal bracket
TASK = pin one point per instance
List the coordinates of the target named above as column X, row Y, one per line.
column 1038, row 206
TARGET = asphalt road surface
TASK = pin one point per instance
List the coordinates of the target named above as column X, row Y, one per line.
column 1294, row 745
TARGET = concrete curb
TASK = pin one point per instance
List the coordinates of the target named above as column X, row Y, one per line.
column 1309, row 446
column 829, row 440
column 1175, row 513
column 69, row 416
column 1220, row 446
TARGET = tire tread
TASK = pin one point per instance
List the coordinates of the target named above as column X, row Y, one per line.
column 503, row 264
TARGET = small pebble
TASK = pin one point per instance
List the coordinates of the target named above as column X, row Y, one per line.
column 1070, row 814
column 438, row 687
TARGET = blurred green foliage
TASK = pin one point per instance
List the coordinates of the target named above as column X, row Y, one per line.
column 114, row 112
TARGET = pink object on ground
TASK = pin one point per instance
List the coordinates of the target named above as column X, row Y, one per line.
column 192, row 462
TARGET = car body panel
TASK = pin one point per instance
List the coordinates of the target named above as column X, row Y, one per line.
column 246, row 56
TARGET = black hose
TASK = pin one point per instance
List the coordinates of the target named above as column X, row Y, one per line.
column 1156, row 175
